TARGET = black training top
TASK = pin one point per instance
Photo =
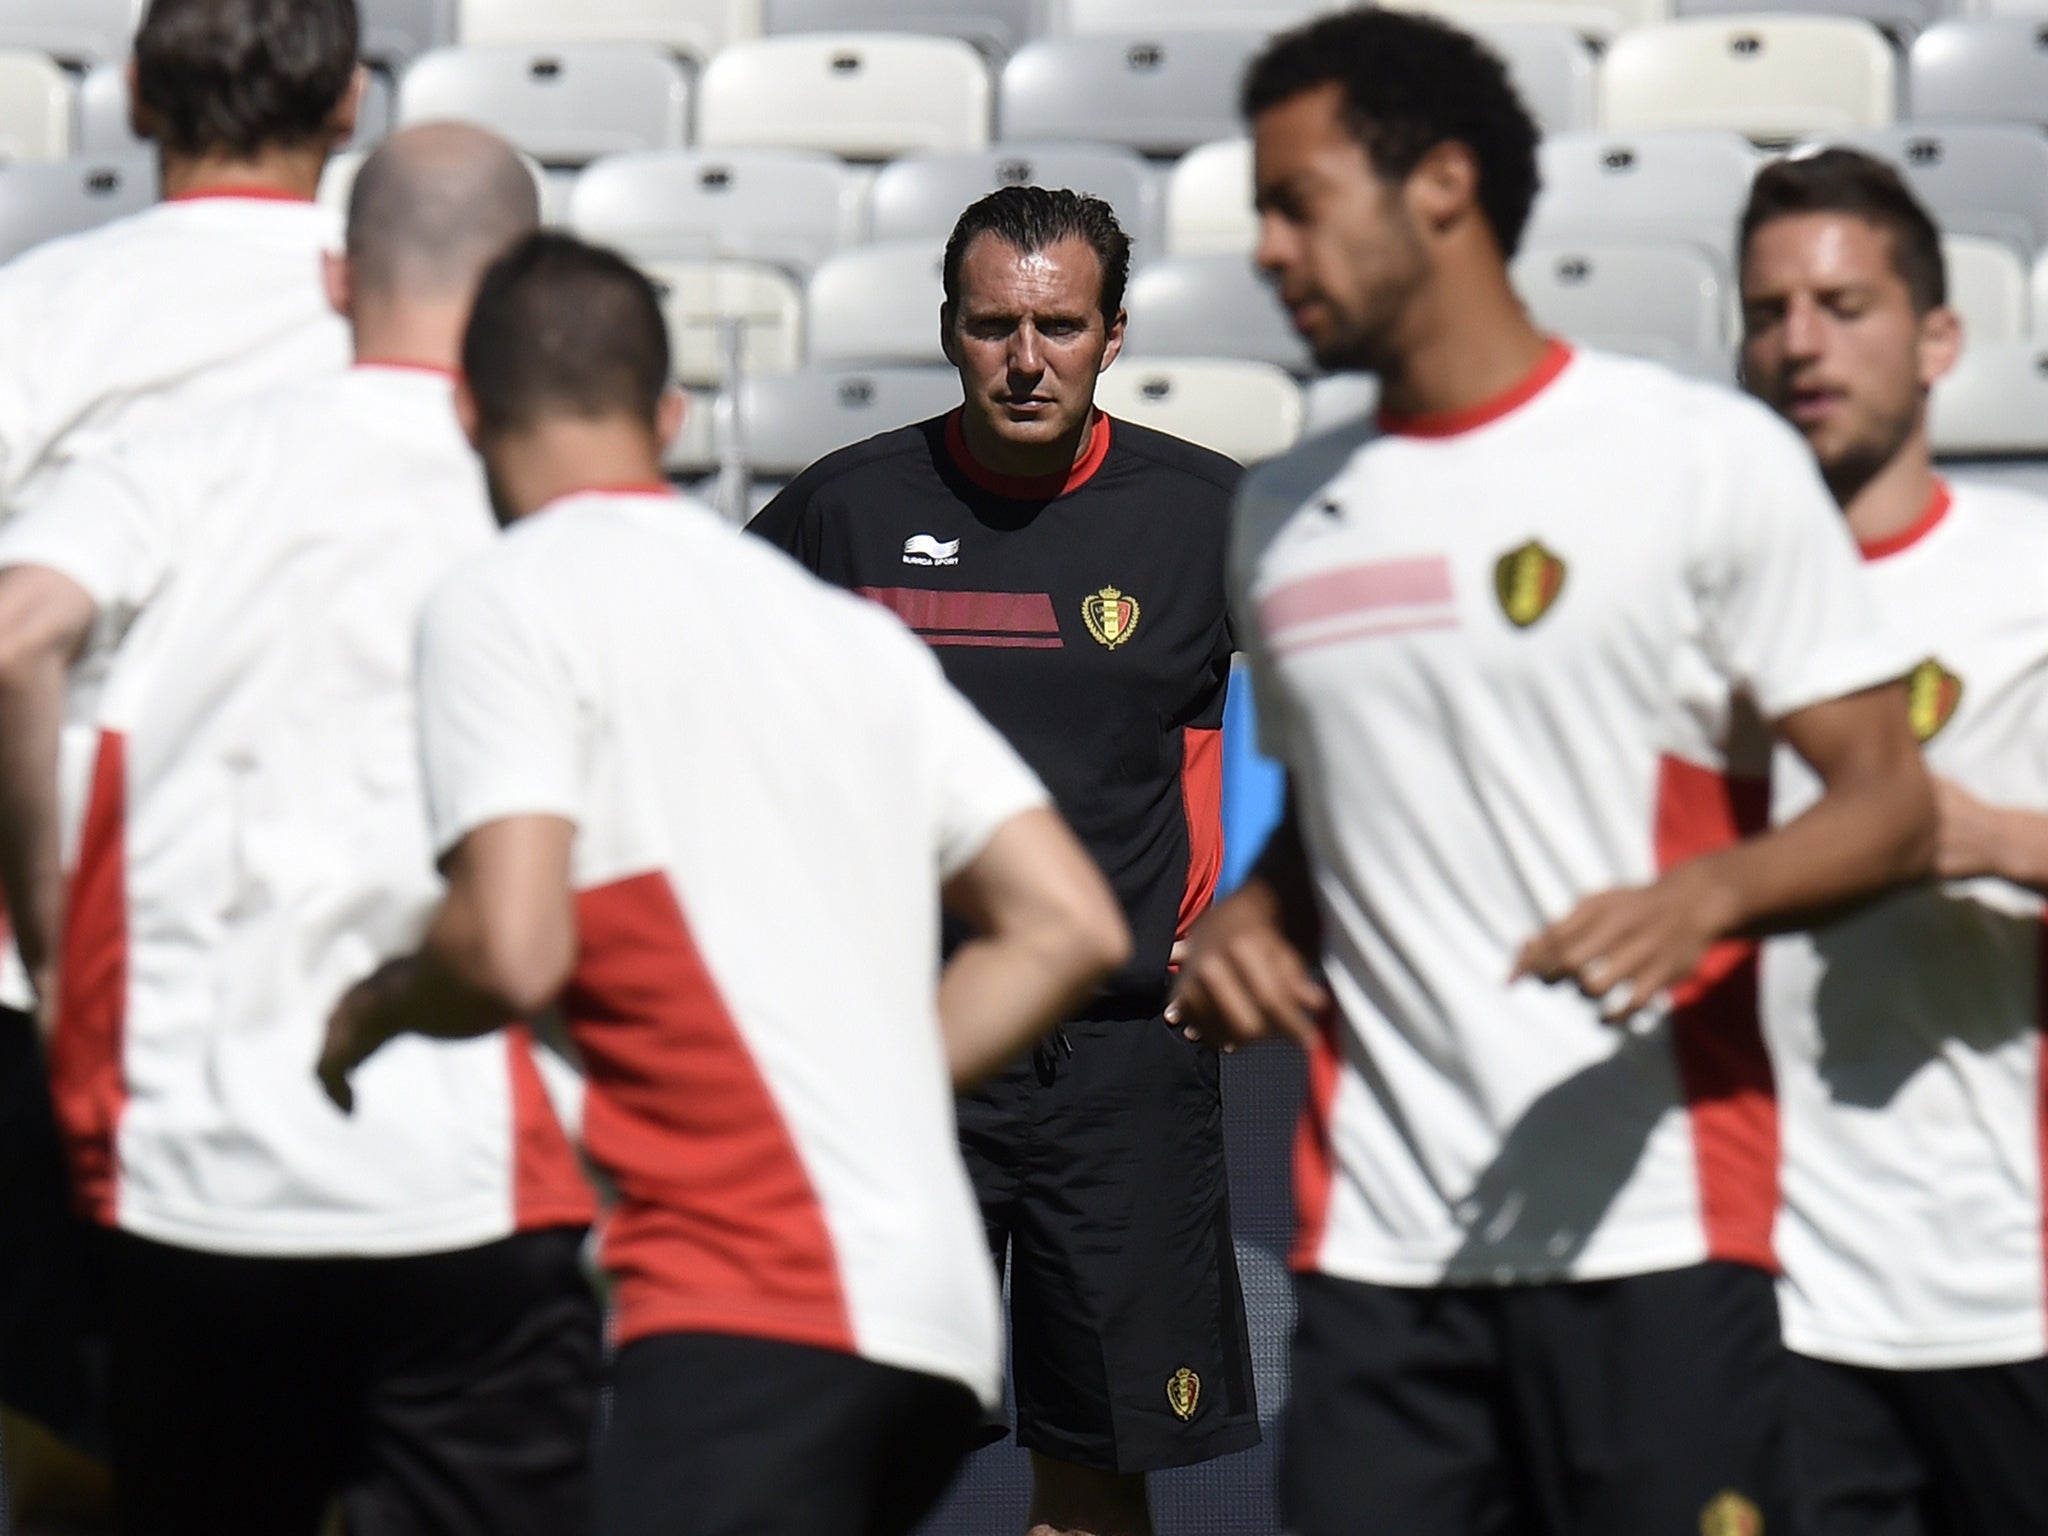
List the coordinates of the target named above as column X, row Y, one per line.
column 1085, row 616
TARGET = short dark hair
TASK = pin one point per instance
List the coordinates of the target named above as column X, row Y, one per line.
column 243, row 76
column 1032, row 218
column 1409, row 83
column 1859, row 186
column 559, row 329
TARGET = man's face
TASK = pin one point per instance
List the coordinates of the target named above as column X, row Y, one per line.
column 1830, row 341
column 1338, row 240
column 1029, row 337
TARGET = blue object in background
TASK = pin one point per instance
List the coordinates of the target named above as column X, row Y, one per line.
column 1254, row 787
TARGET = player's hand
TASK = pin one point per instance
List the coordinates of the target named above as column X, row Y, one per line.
column 355, row 1030
column 43, row 980
column 1240, row 980
column 1622, row 948
column 1969, row 836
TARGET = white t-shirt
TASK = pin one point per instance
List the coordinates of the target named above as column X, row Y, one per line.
column 769, row 780
column 1909, row 1036
column 1500, row 654
column 248, row 837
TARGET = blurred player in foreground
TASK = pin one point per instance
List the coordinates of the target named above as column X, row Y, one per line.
column 1068, row 570
column 710, row 803
column 390, row 1310
column 1497, row 634
column 1909, row 1035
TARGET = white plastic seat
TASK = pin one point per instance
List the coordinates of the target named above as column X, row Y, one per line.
column 1212, row 306
column 42, row 201
column 1995, row 401
column 1598, row 20
column 37, row 101
column 701, row 299
column 996, row 27
column 1337, row 399
column 1084, row 18
column 1976, row 178
column 878, row 304
column 395, row 32
column 1209, row 201
column 1689, row 186
column 696, row 27
column 865, row 96
column 1658, row 300
column 788, row 423
column 2039, row 289
column 562, row 105
column 1772, row 78
column 1900, row 18
column 70, row 31
column 1987, row 286
column 1552, row 68
column 1158, row 93
column 920, row 197
column 1246, row 411
column 788, row 207
column 1981, row 69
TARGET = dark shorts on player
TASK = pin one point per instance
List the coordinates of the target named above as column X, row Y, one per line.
column 1649, row 1406
column 449, row 1394
column 1099, row 1164
column 718, row 1436
column 1920, row 1453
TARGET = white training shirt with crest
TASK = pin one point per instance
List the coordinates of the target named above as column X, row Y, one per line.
column 769, row 780
column 249, row 836
column 1499, row 652
column 1909, row 1036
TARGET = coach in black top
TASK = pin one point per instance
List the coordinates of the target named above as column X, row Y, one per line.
column 1069, row 571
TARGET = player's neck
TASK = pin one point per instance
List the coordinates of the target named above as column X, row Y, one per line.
column 1895, row 498
column 282, row 173
column 1025, row 461
column 1467, row 342
column 410, row 335
column 533, row 468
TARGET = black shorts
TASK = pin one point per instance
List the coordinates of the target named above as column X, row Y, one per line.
column 1920, row 1453
column 446, row 1393
column 1650, row 1406
column 1098, row 1161
column 712, row 1435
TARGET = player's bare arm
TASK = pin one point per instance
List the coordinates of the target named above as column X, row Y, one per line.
column 1873, row 828
column 1975, row 838
column 1247, row 976
column 45, row 618
column 1049, row 930
column 499, row 949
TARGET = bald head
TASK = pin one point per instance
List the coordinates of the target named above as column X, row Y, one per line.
column 432, row 208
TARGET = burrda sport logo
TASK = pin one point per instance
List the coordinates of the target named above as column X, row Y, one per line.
column 927, row 549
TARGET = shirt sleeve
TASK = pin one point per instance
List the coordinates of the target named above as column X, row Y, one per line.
column 498, row 710
column 1789, row 614
column 112, row 524
column 979, row 781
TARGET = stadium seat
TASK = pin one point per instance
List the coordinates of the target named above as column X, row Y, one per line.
column 563, row 105
column 36, row 105
column 788, row 423
column 1995, row 402
column 1900, row 18
column 997, row 27
column 70, row 31
column 1597, row 20
column 1650, row 186
column 1087, row 18
column 1209, row 201
column 703, row 300
column 1552, row 68
column 1212, row 306
column 866, row 96
column 878, row 304
column 42, row 201
column 1773, row 78
column 395, row 32
column 1987, row 286
column 1247, row 411
column 1659, row 300
column 1982, row 69
column 696, row 27
column 788, row 207
column 1337, row 399
column 2039, row 289
column 1160, row 94
column 919, row 197
column 1977, row 178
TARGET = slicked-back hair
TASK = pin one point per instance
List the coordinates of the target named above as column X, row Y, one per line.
column 561, row 329
column 1409, row 83
column 1857, row 186
column 1030, row 219
column 243, row 76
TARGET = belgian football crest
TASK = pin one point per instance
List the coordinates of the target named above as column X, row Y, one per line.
column 1527, row 581
column 1111, row 616
column 1932, row 694
column 1730, row 1514
column 1183, row 1393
